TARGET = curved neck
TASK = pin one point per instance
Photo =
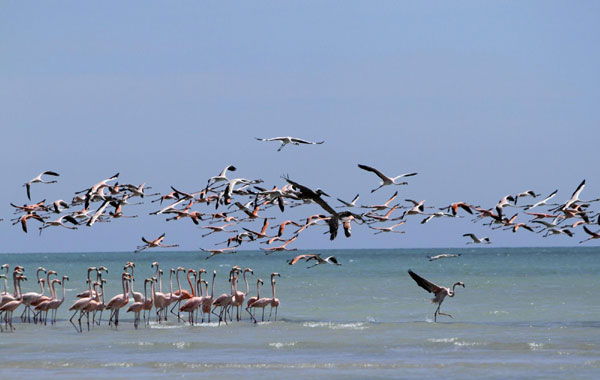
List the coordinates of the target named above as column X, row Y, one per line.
column 190, row 282
column 452, row 293
column 124, row 284
column 247, row 288
column 52, row 291
column 178, row 283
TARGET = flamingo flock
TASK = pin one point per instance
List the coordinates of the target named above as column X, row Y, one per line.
column 197, row 303
column 230, row 207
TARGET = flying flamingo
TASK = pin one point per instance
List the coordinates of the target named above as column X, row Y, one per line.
column 593, row 235
column 281, row 247
column 316, row 257
column 477, row 240
column 388, row 229
column 289, row 140
column 38, row 179
column 385, row 180
column 154, row 243
column 439, row 292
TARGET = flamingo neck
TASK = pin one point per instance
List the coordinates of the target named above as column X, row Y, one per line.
column 190, row 282
column 257, row 290
column 212, row 288
column 178, row 283
column 273, row 287
column 52, row 291
column 171, row 282
column 247, row 288
column 63, row 286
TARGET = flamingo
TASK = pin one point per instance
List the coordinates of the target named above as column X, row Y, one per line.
column 388, row 229
column 281, row 247
column 10, row 306
column 154, row 243
column 238, row 299
column 138, row 306
column 593, row 235
column 289, row 140
column 477, row 240
column 119, row 301
column 30, row 215
column 274, row 300
column 161, row 300
column 385, row 180
column 252, row 301
column 56, row 303
column 316, row 257
column 29, row 298
column 224, row 300
column 38, row 179
column 443, row 256
column 208, row 300
column 194, row 302
column 439, row 292
column 60, row 223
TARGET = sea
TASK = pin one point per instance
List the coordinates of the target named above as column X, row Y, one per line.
column 525, row 313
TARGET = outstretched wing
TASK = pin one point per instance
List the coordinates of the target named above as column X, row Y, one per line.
column 425, row 284
column 301, row 141
column 298, row 258
column 373, row 170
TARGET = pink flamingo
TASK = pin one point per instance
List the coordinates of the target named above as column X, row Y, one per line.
column 259, row 303
column 138, row 306
column 55, row 303
column 252, row 300
column 238, row 299
column 119, row 301
column 274, row 300
column 439, row 292
column 208, row 300
column 193, row 303
column 224, row 300
column 10, row 306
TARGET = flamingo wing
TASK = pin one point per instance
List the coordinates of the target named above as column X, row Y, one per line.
column 373, row 170
column 425, row 284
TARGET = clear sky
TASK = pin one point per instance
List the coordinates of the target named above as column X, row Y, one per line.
column 482, row 99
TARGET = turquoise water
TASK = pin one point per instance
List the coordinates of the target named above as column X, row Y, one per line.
column 525, row 313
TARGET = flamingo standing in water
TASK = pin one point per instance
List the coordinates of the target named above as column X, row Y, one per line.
column 208, row 300
column 56, row 303
column 238, row 299
column 274, row 300
column 439, row 292
column 9, row 307
column 138, row 306
column 257, row 302
column 119, row 301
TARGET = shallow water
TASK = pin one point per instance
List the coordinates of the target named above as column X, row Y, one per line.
column 525, row 313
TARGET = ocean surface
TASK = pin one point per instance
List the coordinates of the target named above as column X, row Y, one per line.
column 525, row 313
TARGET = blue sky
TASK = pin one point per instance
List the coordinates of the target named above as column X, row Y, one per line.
column 482, row 99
